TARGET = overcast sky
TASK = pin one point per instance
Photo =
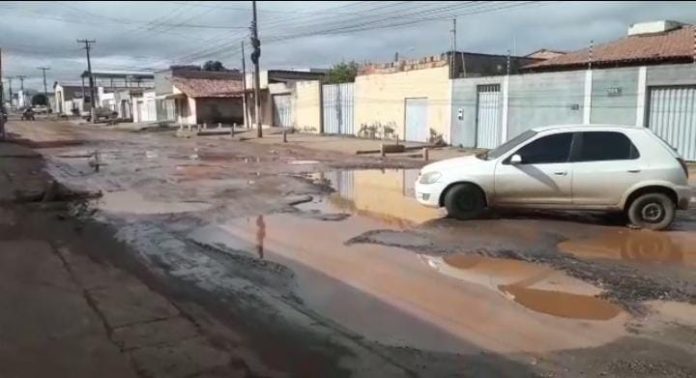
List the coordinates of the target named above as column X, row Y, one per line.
column 151, row 35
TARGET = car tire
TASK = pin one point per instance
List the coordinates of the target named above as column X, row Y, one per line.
column 465, row 201
column 653, row 211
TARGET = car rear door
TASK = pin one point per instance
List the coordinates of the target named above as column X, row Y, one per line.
column 542, row 178
column 605, row 164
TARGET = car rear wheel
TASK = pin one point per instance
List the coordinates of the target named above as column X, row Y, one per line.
column 465, row 201
column 653, row 211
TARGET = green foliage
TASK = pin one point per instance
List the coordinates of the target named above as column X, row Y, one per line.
column 342, row 73
column 213, row 65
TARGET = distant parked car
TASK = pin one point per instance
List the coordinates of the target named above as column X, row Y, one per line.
column 588, row 167
column 41, row 109
column 105, row 113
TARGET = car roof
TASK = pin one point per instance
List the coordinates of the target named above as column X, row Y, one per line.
column 587, row 127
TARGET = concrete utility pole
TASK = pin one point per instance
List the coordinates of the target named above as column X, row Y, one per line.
column 3, row 135
column 44, row 69
column 244, row 94
column 9, row 89
column 92, row 98
column 21, row 88
column 453, row 57
column 256, row 44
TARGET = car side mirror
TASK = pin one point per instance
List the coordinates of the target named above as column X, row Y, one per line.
column 516, row 159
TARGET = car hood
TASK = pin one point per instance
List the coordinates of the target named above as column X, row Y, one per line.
column 468, row 162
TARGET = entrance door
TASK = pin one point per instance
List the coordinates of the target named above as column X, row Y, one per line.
column 488, row 116
column 282, row 111
column 416, row 119
column 672, row 116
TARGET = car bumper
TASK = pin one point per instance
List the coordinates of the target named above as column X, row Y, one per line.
column 429, row 194
column 686, row 196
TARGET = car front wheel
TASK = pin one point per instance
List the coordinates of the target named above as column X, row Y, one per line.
column 465, row 201
column 653, row 211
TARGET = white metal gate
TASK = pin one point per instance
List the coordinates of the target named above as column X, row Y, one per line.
column 337, row 103
column 416, row 119
column 488, row 116
column 282, row 110
column 672, row 116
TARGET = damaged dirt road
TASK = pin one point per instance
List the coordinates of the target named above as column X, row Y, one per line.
column 211, row 257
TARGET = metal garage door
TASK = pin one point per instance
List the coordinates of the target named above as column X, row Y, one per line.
column 672, row 116
column 488, row 116
column 282, row 111
column 337, row 102
column 417, row 119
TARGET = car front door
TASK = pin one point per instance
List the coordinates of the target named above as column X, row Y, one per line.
column 605, row 164
column 543, row 176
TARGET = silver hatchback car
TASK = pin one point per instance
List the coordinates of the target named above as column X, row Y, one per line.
column 584, row 167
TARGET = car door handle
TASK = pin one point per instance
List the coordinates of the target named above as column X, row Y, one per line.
column 633, row 170
column 561, row 173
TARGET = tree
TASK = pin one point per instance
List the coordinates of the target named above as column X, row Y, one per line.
column 343, row 73
column 39, row 100
column 213, row 65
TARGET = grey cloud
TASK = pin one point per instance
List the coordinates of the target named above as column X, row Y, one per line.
column 141, row 35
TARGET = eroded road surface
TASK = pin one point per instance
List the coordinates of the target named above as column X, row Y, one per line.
column 322, row 264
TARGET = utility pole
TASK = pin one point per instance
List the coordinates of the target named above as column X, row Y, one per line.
column 244, row 93
column 3, row 135
column 21, row 88
column 256, row 44
column 92, row 99
column 9, row 85
column 44, row 69
column 453, row 56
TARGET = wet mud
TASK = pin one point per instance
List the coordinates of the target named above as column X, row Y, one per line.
column 318, row 272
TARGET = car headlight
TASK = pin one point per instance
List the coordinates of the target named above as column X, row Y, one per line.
column 430, row 177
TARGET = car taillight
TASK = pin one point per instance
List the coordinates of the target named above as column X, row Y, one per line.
column 684, row 167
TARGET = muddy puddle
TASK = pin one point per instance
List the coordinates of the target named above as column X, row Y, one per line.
column 386, row 195
column 132, row 202
column 536, row 287
column 637, row 246
column 389, row 295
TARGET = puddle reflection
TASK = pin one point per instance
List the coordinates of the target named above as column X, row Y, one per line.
column 647, row 247
column 387, row 195
column 260, row 235
column 536, row 287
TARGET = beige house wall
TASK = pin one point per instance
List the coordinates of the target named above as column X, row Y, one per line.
column 380, row 98
column 308, row 106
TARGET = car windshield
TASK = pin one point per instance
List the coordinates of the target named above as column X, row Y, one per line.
column 507, row 146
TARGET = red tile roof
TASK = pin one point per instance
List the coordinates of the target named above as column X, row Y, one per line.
column 207, row 87
column 675, row 46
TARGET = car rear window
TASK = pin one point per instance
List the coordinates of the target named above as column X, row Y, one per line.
column 606, row 145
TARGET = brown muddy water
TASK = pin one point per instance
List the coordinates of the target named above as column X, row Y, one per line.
column 394, row 296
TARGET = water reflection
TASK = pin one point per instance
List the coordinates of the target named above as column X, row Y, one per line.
column 260, row 235
column 387, row 195
column 536, row 287
column 646, row 247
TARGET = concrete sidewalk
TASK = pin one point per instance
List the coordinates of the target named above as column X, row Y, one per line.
column 351, row 145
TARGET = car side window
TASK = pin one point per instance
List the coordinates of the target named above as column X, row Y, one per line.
column 606, row 145
column 547, row 150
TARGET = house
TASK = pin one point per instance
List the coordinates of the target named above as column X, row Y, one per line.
column 289, row 98
column 70, row 98
column 411, row 99
column 189, row 96
column 645, row 79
